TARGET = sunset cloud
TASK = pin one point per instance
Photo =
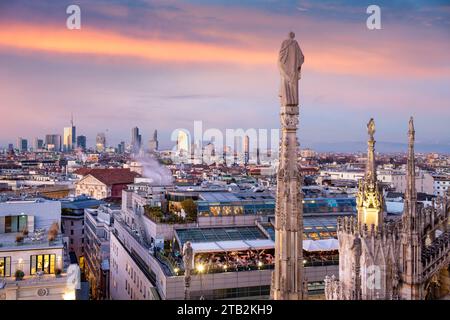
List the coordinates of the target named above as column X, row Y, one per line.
column 338, row 59
column 167, row 63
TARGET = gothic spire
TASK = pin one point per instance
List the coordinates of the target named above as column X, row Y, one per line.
column 411, row 235
column 410, row 192
column 411, row 164
column 371, row 171
column 369, row 199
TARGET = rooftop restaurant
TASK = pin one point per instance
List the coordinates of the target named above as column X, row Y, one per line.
column 242, row 248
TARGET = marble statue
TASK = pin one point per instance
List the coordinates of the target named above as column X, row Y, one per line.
column 288, row 281
column 290, row 62
column 371, row 127
column 188, row 260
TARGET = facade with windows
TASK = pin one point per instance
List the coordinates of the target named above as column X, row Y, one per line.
column 73, row 223
column 338, row 206
column 441, row 185
column 32, row 262
column 97, row 249
column 234, row 204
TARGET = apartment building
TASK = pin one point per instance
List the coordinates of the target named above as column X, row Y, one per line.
column 33, row 259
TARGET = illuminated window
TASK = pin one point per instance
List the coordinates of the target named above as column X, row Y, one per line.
column 226, row 211
column 324, row 235
column 5, row 267
column 314, row 236
column 42, row 262
column 215, row 211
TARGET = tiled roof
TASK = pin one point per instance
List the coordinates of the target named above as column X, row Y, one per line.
column 82, row 171
column 113, row 176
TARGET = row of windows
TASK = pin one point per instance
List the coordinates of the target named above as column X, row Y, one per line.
column 82, row 223
column 71, row 232
column 230, row 210
column 43, row 263
column 38, row 263
column 136, row 281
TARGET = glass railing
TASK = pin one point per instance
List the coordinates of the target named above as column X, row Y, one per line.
column 28, row 243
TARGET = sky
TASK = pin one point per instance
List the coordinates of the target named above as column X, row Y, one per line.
column 167, row 63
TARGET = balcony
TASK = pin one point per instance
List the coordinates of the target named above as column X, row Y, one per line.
column 32, row 280
column 8, row 242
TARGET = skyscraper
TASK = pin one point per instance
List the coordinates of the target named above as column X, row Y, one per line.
column 183, row 143
column 121, row 147
column 153, row 143
column 69, row 140
column 136, row 139
column 246, row 150
column 155, row 135
column 81, row 142
column 38, row 144
column 100, row 142
column 53, row 142
column 22, row 144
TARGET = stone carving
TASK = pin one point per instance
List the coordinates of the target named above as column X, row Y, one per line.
column 42, row 292
column 188, row 261
column 333, row 290
column 371, row 127
column 288, row 279
column 290, row 61
column 397, row 249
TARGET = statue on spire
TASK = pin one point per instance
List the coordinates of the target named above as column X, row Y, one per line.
column 411, row 131
column 369, row 199
column 371, row 128
column 290, row 62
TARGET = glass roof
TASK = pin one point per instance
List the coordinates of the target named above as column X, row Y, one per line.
column 315, row 228
column 219, row 234
column 224, row 197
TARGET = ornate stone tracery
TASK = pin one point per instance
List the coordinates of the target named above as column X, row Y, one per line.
column 288, row 281
column 404, row 262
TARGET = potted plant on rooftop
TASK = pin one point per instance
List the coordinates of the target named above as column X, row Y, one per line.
column 25, row 232
column 53, row 231
column 19, row 275
column 19, row 238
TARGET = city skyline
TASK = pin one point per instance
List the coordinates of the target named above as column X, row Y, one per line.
column 337, row 147
column 163, row 65
column 247, row 151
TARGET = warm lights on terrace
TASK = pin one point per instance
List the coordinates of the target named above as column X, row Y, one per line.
column 200, row 268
